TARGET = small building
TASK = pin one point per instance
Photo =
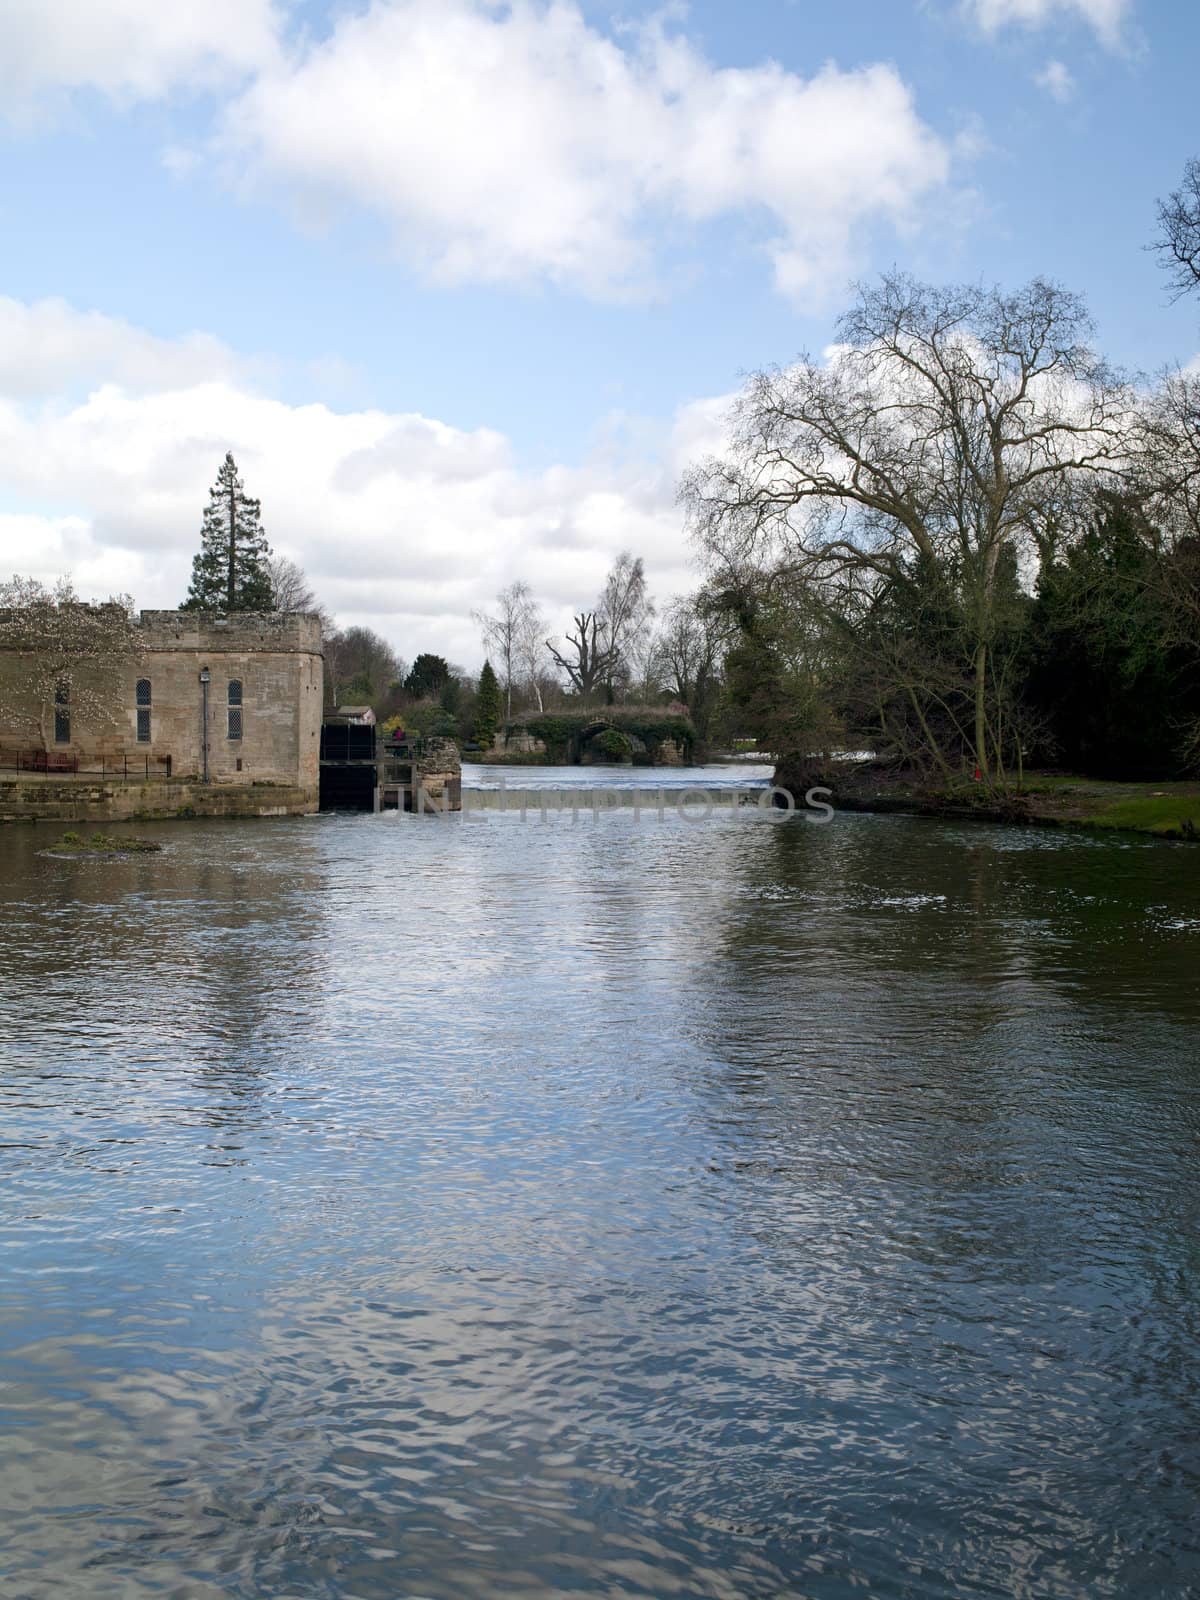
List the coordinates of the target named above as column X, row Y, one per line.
column 229, row 700
column 360, row 716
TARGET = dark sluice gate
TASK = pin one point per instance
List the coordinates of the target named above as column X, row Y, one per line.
column 347, row 788
column 342, row 741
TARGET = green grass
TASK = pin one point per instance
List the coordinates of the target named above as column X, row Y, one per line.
column 1170, row 815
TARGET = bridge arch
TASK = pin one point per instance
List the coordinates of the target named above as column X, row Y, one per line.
column 565, row 733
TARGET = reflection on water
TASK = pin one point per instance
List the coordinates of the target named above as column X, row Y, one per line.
column 464, row 1206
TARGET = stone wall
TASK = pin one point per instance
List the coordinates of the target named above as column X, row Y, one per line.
column 642, row 726
column 440, row 769
column 37, row 799
column 519, row 742
column 275, row 658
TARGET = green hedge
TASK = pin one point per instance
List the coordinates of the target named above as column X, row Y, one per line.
column 557, row 729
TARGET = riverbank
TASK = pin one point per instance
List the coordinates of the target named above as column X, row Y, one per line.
column 1168, row 810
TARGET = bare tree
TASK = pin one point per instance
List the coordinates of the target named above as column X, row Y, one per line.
column 512, row 637
column 1166, row 482
column 586, row 658
column 69, row 657
column 688, row 650
column 290, row 588
column 597, row 653
column 531, row 661
column 1178, row 243
column 626, row 612
column 643, row 668
column 291, row 591
column 944, row 430
column 360, row 662
column 1168, row 458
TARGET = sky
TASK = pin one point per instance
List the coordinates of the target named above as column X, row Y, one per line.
column 465, row 285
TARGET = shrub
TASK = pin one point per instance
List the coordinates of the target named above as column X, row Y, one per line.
column 613, row 743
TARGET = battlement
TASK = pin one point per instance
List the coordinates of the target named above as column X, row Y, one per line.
column 242, row 632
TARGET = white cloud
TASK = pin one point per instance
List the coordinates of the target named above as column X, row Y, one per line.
column 518, row 143
column 49, row 347
column 1057, row 81
column 1107, row 17
column 126, row 49
column 506, row 143
column 403, row 522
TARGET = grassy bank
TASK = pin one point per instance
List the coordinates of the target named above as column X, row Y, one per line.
column 1170, row 810
column 1166, row 810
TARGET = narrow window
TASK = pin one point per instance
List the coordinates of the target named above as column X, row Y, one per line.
column 62, row 713
column 235, row 708
column 142, row 705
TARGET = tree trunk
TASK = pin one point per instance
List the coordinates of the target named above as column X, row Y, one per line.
column 981, row 756
column 930, row 742
column 232, row 546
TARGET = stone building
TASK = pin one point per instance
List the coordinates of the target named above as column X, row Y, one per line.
column 210, row 701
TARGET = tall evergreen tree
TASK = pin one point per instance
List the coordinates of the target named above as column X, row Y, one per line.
column 1116, row 681
column 230, row 573
column 429, row 673
column 487, row 707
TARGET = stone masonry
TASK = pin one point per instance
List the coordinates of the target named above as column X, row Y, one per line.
column 264, row 706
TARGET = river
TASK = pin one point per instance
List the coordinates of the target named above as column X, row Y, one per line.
column 721, row 1206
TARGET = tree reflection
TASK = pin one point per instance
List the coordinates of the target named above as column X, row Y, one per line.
column 194, row 970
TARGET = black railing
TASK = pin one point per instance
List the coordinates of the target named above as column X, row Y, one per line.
column 358, row 741
column 403, row 749
column 58, row 763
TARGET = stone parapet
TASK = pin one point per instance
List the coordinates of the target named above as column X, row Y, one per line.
column 243, row 632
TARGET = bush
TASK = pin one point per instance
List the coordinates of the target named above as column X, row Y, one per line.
column 613, row 743
column 430, row 721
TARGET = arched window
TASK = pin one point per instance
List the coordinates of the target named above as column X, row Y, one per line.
column 235, row 708
column 141, row 700
column 62, row 713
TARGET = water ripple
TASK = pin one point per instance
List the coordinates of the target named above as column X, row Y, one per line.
column 625, row 1207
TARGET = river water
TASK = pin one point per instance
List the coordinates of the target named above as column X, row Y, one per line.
column 629, row 1207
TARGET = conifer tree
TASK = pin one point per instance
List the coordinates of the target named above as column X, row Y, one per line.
column 487, row 708
column 230, row 573
column 429, row 673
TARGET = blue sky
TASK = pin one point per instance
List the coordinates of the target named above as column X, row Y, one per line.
column 463, row 284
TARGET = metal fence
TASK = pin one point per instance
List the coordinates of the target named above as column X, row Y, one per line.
column 360, row 741
column 58, row 764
